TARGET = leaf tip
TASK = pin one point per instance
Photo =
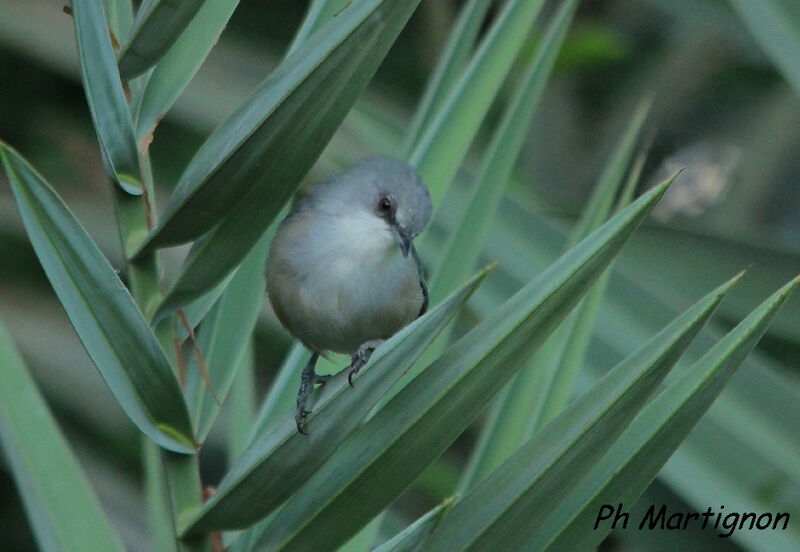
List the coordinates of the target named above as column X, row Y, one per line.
column 789, row 288
column 483, row 272
column 737, row 277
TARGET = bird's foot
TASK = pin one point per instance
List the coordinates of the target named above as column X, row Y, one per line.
column 360, row 358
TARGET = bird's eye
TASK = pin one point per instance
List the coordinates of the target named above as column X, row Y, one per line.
column 385, row 205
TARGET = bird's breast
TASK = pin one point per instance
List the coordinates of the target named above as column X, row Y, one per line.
column 349, row 283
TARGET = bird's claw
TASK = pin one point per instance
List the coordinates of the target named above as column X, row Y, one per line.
column 300, row 415
column 360, row 358
column 299, row 420
column 352, row 371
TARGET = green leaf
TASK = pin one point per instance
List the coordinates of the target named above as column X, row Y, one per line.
column 545, row 383
column 283, row 391
column 62, row 508
column 635, row 459
column 450, row 66
column 412, row 536
column 602, row 201
column 775, row 24
column 633, row 305
column 573, row 337
column 266, row 125
column 394, row 447
column 278, row 461
column 468, row 236
column 509, row 505
column 110, row 326
column 112, row 119
column 364, row 539
column 241, row 410
column 180, row 63
column 233, row 182
column 441, row 148
column 197, row 310
column 278, row 402
column 223, row 338
column 119, row 14
column 319, row 13
column 157, row 27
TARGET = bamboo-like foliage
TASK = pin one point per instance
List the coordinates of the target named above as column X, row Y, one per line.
column 545, row 460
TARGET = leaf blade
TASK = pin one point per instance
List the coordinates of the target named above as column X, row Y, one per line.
column 155, row 31
column 64, row 511
column 223, row 339
column 635, row 459
column 234, row 153
column 775, row 24
column 524, row 486
column 110, row 326
column 180, row 63
column 538, row 392
column 451, row 62
column 444, row 143
column 415, row 534
column 109, row 110
column 468, row 236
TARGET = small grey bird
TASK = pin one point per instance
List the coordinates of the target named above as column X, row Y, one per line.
column 342, row 273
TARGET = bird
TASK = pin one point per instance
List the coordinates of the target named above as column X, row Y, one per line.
column 342, row 272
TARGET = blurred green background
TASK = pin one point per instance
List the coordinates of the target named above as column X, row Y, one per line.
column 722, row 111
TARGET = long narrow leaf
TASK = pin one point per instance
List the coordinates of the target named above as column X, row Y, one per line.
column 110, row 326
column 412, row 536
column 112, row 119
column 223, row 338
column 63, row 510
column 276, row 121
column 452, row 60
column 119, row 14
column 776, row 26
column 602, row 201
column 572, row 339
column 155, row 31
column 393, row 448
column 319, row 13
column 441, row 148
column 509, row 505
column 628, row 313
column 234, row 180
column 529, row 401
column 468, row 236
column 168, row 79
column 180, row 63
column 278, row 462
column 242, row 407
column 280, row 398
column 634, row 460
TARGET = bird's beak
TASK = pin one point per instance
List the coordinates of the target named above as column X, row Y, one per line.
column 402, row 238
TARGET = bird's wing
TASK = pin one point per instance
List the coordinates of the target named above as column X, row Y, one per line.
column 422, row 284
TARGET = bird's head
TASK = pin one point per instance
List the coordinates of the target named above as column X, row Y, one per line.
column 386, row 188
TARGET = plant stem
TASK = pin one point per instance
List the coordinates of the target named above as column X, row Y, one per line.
column 181, row 472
